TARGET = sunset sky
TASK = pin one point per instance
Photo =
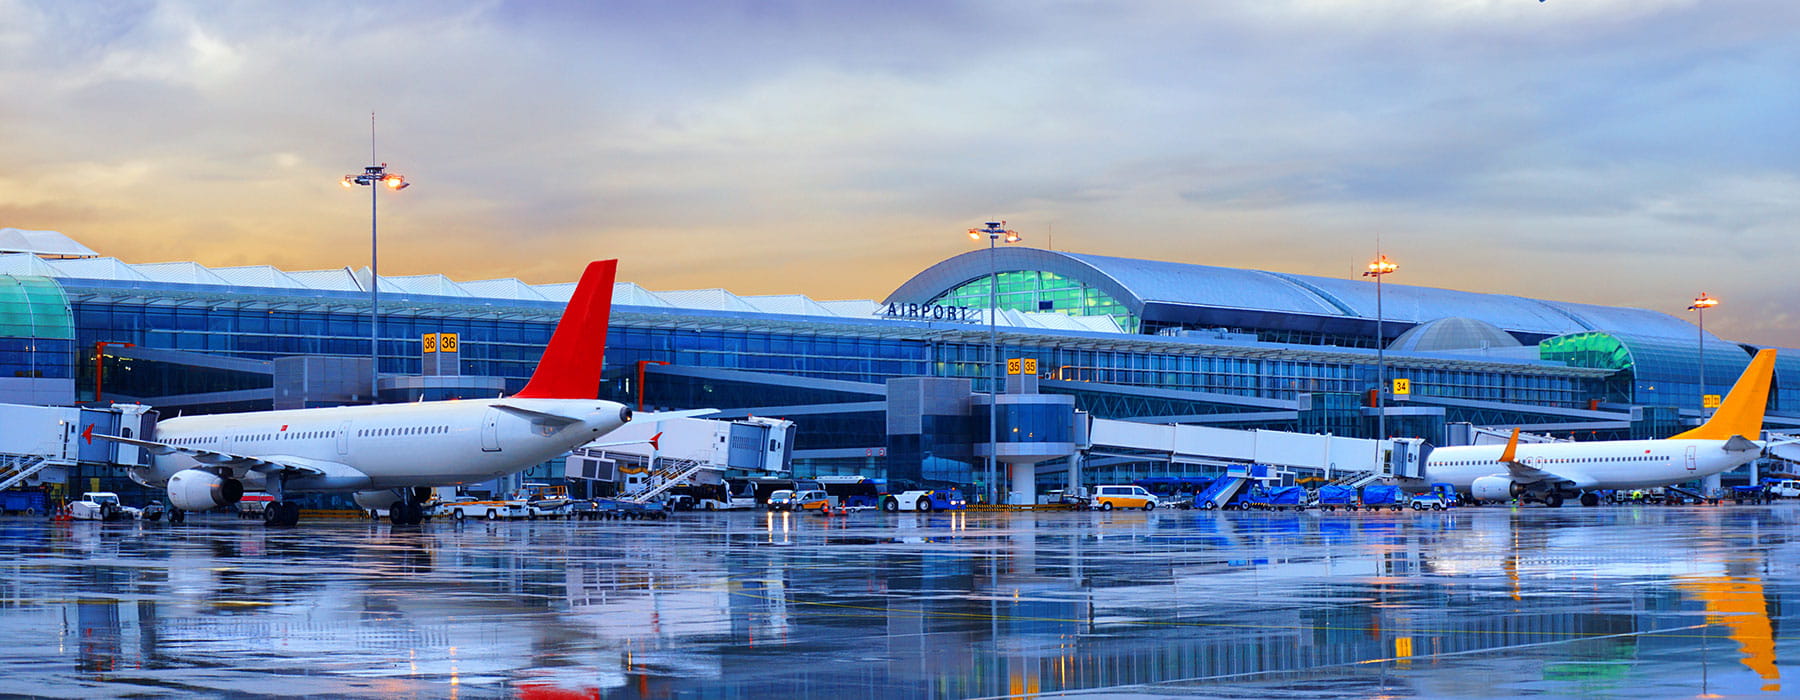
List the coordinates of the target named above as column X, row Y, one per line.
column 1624, row 152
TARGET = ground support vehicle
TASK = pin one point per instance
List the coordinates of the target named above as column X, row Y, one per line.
column 924, row 501
column 1335, row 496
column 1279, row 498
column 544, row 501
column 487, row 510
column 1750, row 494
column 845, row 510
column 801, row 501
column 1228, row 492
column 619, row 509
column 252, row 505
column 1123, row 496
column 1440, row 497
column 27, row 502
column 1784, row 488
column 1377, row 496
column 101, row 505
column 1676, row 496
column 1245, row 498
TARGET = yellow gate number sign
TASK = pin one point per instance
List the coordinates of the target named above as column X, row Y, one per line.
column 1402, row 387
column 1709, row 401
column 1030, row 365
column 1021, row 366
column 1013, row 365
column 439, row 342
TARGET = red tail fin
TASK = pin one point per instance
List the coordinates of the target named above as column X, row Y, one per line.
column 571, row 365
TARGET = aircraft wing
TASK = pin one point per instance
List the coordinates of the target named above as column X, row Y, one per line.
column 270, row 465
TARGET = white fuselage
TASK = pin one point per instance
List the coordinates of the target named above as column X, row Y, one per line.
column 434, row 443
column 1622, row 464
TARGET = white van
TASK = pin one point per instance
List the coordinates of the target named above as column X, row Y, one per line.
column 1786, row 488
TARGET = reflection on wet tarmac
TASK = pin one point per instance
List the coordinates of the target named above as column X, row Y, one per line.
column 1477, row 602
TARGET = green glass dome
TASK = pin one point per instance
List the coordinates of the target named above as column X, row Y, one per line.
column 34, row 307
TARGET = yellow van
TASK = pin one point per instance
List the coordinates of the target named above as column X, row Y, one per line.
column 1110, row 497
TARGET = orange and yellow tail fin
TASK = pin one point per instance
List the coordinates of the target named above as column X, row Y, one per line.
column 1741, row 413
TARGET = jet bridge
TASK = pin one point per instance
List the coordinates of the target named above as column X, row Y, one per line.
column 39, row 444
column 1329, row 456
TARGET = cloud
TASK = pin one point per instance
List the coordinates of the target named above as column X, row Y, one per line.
column 1607, row 152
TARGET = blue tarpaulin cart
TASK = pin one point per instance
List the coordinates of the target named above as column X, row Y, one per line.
column 1380, row 495
column 1335, row 496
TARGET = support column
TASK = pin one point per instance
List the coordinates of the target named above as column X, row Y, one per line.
column 1022, row 483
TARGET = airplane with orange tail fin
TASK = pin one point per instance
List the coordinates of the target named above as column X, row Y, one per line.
column 1550, row 472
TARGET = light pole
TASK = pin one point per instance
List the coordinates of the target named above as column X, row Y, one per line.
column 1380, row 267
column 994, row 235
column 370, row 177
column 1701, row 304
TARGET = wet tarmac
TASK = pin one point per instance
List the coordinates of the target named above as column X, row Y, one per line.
column 1488, row 602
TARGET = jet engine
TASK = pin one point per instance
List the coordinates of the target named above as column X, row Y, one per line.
column 193, row 489
column 377, row 500
column 1495, row 488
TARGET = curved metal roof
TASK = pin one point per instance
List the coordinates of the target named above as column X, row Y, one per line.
column 1455, row 333
column 1141, row 283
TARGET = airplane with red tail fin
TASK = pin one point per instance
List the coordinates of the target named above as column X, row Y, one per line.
column 391, row 455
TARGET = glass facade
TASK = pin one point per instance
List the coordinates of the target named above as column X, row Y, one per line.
column 1039, row 291
column 139, row 378
column 1264, row 374
column 36, row 334
column 1651, row 371
column 1033, row 422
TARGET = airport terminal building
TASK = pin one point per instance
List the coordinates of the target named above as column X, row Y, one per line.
column 882, row 388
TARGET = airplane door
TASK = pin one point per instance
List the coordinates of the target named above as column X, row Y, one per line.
column 1692, row 462
column 343, row 439
column 490, row 431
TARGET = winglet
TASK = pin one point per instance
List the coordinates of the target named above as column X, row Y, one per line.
column 570, row 368
column 1512, row 449
column 1741, row 413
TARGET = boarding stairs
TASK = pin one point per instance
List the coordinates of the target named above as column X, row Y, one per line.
column 17, row 468
column 1220, row 492
column 1357, row 480
column 674, row 472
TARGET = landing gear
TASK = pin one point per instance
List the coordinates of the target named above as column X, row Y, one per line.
column 177, row 516
column 1590, row 499
column 281, row 514
column 1553, row 500
column 407, row 511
